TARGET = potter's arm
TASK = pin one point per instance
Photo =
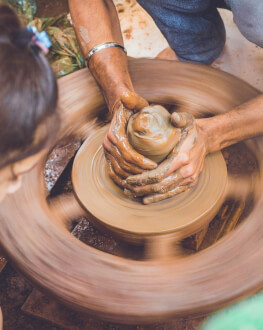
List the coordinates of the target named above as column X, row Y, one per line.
column 241, row 123
column 97, row 22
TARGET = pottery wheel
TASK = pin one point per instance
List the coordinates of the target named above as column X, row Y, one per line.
column 181, row 215
column 34, row 231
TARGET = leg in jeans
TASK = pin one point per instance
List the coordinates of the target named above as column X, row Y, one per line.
column 248, row 16
column 193, row 28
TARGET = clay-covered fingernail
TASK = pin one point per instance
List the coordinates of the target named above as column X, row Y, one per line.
column 130, row 179
column 150, row 164
column 177, row 120
column 176, row 117
column 147, row 200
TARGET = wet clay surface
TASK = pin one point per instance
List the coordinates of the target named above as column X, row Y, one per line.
column 151, row 133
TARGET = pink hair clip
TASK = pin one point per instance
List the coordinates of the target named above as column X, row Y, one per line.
column 40, row 39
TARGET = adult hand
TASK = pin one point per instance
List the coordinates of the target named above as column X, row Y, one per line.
column 122, row 159
column 179, row 171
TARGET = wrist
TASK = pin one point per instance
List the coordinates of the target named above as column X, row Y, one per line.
column 102, row 47
column 110, row 69
column 113, row 97
column 206, row 131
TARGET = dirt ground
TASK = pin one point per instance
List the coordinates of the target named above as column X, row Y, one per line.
column 49, row 8
column 15, row 289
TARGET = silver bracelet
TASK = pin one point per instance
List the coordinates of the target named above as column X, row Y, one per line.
column 99, row 47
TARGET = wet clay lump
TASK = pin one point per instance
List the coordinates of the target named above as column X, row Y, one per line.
column 152, row 134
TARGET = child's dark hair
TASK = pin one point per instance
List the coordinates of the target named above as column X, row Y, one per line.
column 28, row 92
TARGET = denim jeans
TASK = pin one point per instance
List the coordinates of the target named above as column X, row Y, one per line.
column 195, row 30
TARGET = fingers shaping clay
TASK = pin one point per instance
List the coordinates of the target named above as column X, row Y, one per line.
column 151, row 132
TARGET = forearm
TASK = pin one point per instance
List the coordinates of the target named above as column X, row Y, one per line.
column 97, row 22
column 243, row 122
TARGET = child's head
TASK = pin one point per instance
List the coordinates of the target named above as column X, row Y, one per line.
column 28, row 96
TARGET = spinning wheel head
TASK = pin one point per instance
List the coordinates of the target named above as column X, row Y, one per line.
column 179, row 216
column 120, row 289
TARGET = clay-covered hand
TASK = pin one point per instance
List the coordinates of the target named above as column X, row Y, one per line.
column 122, row 159
column 179, row 171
